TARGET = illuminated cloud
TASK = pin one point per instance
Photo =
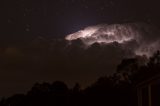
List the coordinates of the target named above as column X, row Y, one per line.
column 122, row 34
column 104, row 33
column 84, row 56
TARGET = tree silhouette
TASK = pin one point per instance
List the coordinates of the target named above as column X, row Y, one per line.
column 117, row 89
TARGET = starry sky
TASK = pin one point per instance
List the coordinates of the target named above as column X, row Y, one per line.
column 24, row 18
column 27, row 26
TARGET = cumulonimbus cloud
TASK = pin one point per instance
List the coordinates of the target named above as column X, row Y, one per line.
column 84, row 56
column 146, row 37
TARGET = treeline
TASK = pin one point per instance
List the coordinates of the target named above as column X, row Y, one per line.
column 116, row 90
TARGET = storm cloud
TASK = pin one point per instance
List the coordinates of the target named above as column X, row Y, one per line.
column 76, row 58
column 146, row 37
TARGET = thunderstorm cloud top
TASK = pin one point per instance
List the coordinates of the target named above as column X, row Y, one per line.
column 120, row 33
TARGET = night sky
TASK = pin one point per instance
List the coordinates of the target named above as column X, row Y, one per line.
column 26, row 22
column 23, row 18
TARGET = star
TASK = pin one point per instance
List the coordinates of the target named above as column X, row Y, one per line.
column 72, row 1
column 86, row 7
column 9, row 21
column 24, row 14
column 27, row 30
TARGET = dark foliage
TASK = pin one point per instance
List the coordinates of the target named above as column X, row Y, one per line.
column 115, row 90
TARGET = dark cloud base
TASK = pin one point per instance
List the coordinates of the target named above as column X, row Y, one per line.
column 47, row 60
